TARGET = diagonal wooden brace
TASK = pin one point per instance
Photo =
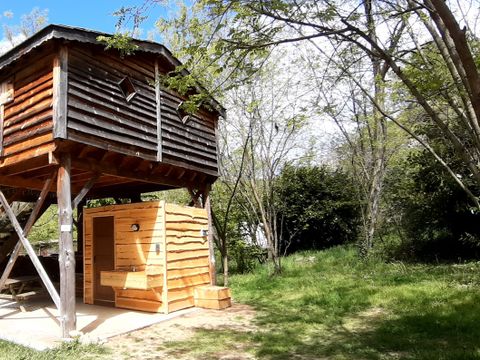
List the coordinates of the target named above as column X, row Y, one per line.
column 195, row 197
column 86, row 188
column 26, row 244
column 39, row 207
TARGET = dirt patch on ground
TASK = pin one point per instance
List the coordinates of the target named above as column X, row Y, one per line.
column 365, row 320
column 152, row 342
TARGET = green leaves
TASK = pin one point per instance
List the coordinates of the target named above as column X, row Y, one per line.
column 318, row 207
column 121, row 42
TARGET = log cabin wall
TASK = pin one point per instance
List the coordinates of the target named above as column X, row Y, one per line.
column 191, row 144
column 187, row 257
column 98, row 109
column 72, row 89
column 100, row 113
column 27, row 120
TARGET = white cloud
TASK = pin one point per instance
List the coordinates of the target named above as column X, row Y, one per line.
column 8, row 14
column 6, row 44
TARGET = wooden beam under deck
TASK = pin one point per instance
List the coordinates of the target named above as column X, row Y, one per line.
column 120, row 174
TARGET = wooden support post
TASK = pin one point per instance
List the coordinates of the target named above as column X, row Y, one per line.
column 29, row 249
column 158, row 97
column 36, row 212
column 60, row 90
column 136, row 198
column 211, row 251
column 2, row 119
column 66, row 256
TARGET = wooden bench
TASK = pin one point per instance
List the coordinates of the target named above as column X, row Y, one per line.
column 16, row 287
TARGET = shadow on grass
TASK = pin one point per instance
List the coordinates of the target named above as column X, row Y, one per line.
column 450, row 331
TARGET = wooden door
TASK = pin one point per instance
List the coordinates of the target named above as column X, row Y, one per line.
column 103, row 258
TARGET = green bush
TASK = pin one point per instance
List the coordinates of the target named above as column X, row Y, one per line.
column 429, row 217
column 318, row 208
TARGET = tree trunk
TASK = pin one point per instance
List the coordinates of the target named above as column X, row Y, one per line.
column 225, row 268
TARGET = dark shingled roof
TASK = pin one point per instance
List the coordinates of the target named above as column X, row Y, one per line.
column 86, row 36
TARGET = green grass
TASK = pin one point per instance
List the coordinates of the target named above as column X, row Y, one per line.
column 332, row 305
column 67, row 351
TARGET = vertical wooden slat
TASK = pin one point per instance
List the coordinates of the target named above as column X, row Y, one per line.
column 80, row 228
column 2, row 116
column 85, row 266
column 165, row 261
column 29, row 249
column 60, row 90
column 158, row 97
column 211, row 256
column 66, row 256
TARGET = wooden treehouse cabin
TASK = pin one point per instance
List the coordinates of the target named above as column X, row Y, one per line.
column 80, row 122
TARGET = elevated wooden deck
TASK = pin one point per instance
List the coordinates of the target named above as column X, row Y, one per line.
column 80, row 122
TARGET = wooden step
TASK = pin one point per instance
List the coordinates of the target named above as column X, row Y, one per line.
column 212, row 297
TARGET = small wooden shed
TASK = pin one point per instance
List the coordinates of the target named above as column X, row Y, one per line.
column 80, row 122
column 148, row 256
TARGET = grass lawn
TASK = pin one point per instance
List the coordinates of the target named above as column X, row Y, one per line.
column 331, row 305
column 68, row 351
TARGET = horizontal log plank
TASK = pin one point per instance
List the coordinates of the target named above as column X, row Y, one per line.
column 144, row 248
column 138, row 304
column 42, row 117
column 183, row 273
column 87, row 139
column 110, row 128
column 28, row 154
column 139, row 294
column 193, row 254
column 181, row 304
column 186, row 246
column 187, row 263
column 32, row 142
column 28, row 133
column 30, row 112
column 106, row 108
column 106, row 92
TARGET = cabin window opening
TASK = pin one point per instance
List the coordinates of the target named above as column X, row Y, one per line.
column 6, row 91
column 182, row 113
column 127, row 87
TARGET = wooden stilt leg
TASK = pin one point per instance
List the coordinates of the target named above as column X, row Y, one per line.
column 66, row 256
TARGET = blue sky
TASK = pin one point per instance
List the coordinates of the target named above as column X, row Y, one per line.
column 95, row 15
